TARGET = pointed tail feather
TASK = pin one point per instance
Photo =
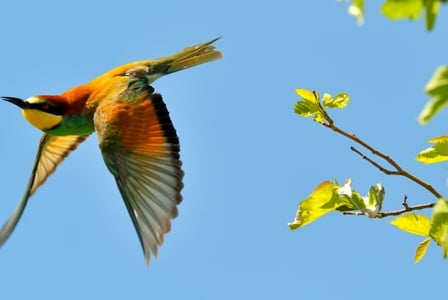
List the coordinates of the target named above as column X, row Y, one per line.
column 156, row 68
column 195, row 55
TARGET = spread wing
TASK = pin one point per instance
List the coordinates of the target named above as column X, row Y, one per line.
column 51, row 152
column 141, row 149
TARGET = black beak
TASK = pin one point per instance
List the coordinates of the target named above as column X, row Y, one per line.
column 17, row 101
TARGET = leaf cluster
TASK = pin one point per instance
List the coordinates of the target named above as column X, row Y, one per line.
column 435, row 229
column 328, row 196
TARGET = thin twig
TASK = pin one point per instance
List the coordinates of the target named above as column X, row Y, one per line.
column 405, row 202
column 397, row 212
column 400, row 172
column 405, row 209
column 375, row 164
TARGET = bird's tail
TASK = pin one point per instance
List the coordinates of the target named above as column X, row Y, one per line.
column 192, row 56
column 156, row 68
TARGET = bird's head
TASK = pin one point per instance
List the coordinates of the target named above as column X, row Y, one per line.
column 41, row 111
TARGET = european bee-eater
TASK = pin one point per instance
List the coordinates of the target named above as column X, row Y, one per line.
column 135, row 134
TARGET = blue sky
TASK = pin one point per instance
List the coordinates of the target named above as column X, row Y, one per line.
column 248, row 159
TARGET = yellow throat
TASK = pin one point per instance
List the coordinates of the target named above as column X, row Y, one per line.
column 40, row 119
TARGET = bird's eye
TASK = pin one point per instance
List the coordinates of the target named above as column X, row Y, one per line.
column 45, row 107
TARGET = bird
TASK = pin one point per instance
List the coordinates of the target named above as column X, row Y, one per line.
column 136, row 137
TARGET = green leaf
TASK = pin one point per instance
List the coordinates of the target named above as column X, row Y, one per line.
column 321, row 201
column 309, row 105
column 439, row 225
column 340, row 101
column 421, row 250
column 437, row 87
column 432, row 9
column 413, row 223
column 435, row 154
column 402, row 9
column 356, row 9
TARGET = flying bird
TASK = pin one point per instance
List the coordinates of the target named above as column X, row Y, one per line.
column 137, row 139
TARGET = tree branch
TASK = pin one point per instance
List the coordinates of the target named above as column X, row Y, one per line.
column 375, row 164
column 397, row 212
column 398, row 169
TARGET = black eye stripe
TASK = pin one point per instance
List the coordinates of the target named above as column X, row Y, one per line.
column 48, row 108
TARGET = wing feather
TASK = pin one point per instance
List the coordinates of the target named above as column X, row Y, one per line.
column 51, row 152
column 141, row 149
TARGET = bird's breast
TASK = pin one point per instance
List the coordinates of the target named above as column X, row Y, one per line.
column 73, row 125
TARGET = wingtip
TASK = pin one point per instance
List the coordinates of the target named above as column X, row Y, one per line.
column 148, row 257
